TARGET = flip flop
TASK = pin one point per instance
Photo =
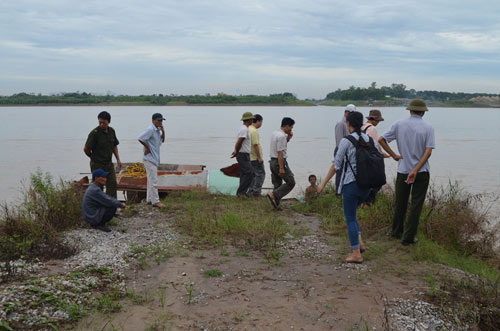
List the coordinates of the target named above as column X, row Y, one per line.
column 273, row 202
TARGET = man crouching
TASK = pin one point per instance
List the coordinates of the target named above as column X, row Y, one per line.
column 98, row 208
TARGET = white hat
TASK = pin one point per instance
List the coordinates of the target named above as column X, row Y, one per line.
column 350, row 107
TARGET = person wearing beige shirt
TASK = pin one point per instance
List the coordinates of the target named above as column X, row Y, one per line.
column 256, row 157
column 373, row 119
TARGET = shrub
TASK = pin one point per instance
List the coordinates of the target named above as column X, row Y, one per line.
column 30, row 229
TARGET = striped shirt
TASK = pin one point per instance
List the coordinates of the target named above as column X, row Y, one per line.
column 347, row 149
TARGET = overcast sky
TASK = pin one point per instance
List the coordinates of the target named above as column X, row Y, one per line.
column 308, row 48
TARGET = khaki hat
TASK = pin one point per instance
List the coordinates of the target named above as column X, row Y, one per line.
column 247, row 116
column 417, row 105
column 375, row 114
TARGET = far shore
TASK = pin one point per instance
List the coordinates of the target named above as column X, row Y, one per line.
column 230, row 105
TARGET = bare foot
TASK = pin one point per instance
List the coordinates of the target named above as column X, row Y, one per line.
column 353, row 259
column 159, row 205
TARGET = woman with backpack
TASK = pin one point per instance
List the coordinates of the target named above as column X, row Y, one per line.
column 352, row 194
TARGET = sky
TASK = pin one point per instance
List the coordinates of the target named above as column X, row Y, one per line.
column 308, row 48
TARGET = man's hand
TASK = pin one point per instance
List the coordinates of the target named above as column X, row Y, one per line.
column 147, row 151
column 397, row 157
column 124, row 205
column 233, row 154
column 289, row 136
column 282, row 172
column 320, row 188
column 120, row 165
column 385, row 155
column 260, row 160
column 411, row 177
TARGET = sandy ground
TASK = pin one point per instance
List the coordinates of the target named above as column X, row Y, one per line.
column 309, row 289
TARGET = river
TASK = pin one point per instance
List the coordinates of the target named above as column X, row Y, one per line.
column 52, row 139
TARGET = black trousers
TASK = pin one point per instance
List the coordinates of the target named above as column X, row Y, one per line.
column 408, row 229
column 246, row 172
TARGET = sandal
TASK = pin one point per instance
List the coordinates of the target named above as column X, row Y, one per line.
column 273, row 202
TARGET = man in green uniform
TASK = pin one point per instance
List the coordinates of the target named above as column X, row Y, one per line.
column 100, row 146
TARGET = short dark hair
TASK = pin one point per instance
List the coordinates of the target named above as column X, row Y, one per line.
column 418, row 112
column 257, row 117
column 105, row 116
column 311, row 176
column 287, row 121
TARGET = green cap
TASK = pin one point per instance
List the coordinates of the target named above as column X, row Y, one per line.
column 247, row 116
column 417, row 105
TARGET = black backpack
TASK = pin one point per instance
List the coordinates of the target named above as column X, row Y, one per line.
column 370, row 165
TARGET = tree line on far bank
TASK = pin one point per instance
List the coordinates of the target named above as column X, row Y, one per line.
column 155, row 99
column 398, row 91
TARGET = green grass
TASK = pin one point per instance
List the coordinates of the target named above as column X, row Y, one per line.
column 212, row 273
column 217, row 220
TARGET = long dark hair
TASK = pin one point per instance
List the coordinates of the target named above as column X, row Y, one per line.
column 355, row 119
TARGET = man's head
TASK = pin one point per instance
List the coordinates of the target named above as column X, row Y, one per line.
column 104, row 119
column 158, row 119
column 247, row 118
column 349, row 109
column 375, row 116
column 257, row 121
column 312, row 179
column 99, row 177
column 418, row 107
column 287, row 124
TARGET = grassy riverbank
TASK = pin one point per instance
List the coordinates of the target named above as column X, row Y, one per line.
column 220, row 235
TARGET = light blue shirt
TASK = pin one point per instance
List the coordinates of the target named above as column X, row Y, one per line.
column 347, row 151
column 412, row 136
column 152, row 138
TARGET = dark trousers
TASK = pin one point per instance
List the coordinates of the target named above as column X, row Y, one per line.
column 417, row 190
column 109, row 213
column 281, row 189
column 258, row 179
column 372, row 195
column 111, row 178
column 246, row 172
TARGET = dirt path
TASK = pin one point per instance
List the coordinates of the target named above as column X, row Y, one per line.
column 309, row 289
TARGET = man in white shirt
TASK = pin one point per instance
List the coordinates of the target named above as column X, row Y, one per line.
column 151, row 139
column 280, row 171
column 242, row 153
column 415, row 141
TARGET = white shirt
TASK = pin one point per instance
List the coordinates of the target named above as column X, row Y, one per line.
column 412, row 136
column 152, row 137
column 279, row 143
column 244, row 133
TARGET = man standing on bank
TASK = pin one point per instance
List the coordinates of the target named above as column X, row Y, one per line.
column 415, row 141
column 256, row 158
column 340, row 133
column 242, row 153
column 99, row 208
column 100, row 146
column 280, row 171
column 151, row 139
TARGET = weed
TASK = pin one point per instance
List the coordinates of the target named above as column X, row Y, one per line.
column 212, row 273
column 189, row 292
column 30, row 229
column 108, row 303
column 161, row 323
column 138, row 299
column 218, row 220
column 162, row 295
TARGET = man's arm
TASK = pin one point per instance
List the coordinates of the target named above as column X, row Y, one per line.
column 329, row 176
column 146, row 147
column 413, row 174
column 237, row 146
column 87, row 151
column 382, row 142
column 257, row 152
column 281, row 162
column 115, row 151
